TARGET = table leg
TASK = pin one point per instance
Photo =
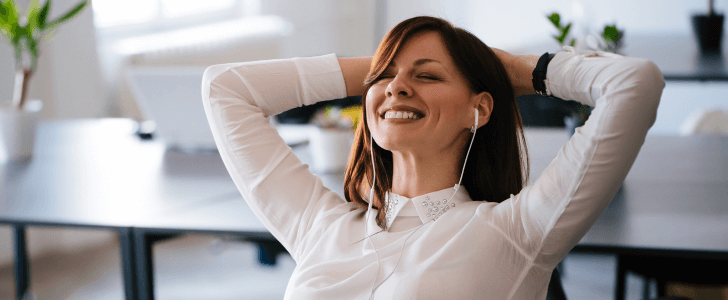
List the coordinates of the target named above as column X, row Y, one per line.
column 22, row 275
column 144, row 265
column 621, row 279
column 143, row 243
column 128, row 263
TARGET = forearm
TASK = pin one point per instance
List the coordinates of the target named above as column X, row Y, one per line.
column 355, row 72
column 520, row 70
column 279, row 188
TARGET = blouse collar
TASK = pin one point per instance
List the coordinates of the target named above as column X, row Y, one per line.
column 427, row 207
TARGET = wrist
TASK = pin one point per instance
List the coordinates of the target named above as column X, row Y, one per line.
column 521, row 71
column 539, row 81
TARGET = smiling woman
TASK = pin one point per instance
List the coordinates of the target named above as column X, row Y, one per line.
column 440, row 73
column 407, row 228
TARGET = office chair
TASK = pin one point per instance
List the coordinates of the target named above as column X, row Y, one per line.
column 555, row 289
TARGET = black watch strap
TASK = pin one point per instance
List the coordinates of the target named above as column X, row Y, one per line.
column 539, row 74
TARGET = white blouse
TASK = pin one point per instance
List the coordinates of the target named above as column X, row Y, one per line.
column 475, row 249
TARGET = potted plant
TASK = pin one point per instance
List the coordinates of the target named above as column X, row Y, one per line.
column 332, row 136
column 24, row 33
column 709, row 30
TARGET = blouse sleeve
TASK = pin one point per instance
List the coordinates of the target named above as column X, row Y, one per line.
column 238, row 98
column 549, row 217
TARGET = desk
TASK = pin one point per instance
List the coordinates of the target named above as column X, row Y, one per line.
column 97, row 174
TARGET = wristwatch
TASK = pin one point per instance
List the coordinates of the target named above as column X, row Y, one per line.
column 540, row 83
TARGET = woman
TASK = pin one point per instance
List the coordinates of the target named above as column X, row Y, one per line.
column 441, row 145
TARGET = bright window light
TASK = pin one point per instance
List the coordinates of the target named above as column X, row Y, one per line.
column 113, row 13
column 183, row 8
column 108, row 13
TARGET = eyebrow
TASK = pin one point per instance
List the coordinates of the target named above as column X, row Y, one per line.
column 418, row 62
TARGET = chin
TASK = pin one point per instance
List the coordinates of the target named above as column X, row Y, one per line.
column 397, row 144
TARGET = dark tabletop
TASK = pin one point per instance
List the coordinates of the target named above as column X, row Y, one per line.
column 99, row 173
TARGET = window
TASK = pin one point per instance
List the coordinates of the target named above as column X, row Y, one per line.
column 135, row 17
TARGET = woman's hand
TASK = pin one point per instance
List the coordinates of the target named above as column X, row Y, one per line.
column 520, row 70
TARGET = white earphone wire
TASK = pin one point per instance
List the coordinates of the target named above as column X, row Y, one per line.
column 475, row 128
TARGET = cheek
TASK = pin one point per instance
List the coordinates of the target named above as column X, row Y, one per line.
column 372, row 105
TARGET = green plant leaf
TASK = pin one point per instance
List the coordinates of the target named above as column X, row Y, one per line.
column 32, row 15
column 16, row 32
column 9, row 25
column 43, row 14
column 3, row 14
column 33, row 49
column 67, row 16
column 610, row 33
column 18, row 53
column 573, row 42
column 566, row 29
column 9, row 14
column 564, row 33
column 555, row 19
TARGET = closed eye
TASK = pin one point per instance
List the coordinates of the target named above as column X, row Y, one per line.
column 428, row 76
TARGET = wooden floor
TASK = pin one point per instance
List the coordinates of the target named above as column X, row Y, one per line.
column 203, row 267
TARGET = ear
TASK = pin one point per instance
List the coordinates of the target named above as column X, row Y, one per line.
column 484, row 102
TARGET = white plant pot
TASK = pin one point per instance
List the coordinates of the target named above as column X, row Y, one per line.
column 17, row 131
column 330, row 149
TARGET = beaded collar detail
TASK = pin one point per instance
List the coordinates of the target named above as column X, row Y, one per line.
column 428, row 207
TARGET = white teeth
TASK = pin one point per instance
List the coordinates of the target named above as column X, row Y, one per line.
column 401, row 115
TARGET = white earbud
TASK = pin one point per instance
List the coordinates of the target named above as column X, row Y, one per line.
column 476, row 122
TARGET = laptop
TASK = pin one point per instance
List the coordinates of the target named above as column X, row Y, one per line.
column 171, row 97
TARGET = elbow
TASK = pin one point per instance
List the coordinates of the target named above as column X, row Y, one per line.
column 651, row 81
column 644, row 82
column 643, row 79
column 650, row 74
column 208, row 78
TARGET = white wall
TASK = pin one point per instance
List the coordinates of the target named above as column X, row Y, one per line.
column 517, row 23
column 326, row 26
column 6, row 72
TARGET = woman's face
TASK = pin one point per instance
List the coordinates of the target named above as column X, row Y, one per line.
column 421, row 102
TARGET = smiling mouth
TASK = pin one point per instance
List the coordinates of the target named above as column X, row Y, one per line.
column 401, row 115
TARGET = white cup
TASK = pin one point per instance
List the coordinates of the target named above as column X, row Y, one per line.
column 330, row 148
column 17, row 131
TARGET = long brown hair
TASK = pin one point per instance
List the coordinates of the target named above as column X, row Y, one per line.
column 499, row 165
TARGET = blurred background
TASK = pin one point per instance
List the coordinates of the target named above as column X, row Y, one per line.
column 117, row 55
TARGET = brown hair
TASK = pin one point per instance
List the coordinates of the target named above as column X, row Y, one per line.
column 499, row 164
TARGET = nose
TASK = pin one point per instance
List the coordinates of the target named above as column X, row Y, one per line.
column 399, row 86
